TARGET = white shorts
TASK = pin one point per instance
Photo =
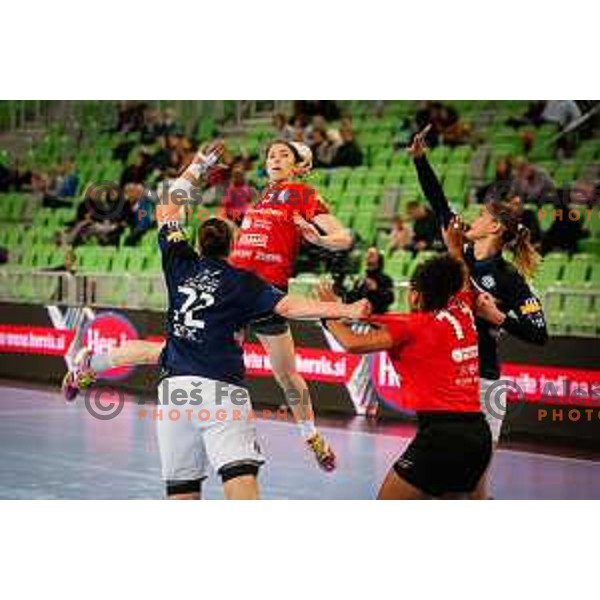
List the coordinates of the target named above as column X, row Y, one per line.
column 493, row 405
column 204, row 422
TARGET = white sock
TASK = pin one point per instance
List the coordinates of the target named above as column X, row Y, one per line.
column 307, row 429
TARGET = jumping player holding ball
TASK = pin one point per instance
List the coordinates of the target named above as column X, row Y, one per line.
column 267, row 245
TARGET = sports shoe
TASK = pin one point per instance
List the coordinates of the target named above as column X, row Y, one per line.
column 323, row 452
column 80, row 377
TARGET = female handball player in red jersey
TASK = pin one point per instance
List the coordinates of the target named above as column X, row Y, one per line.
column 267, row 245
column 434, row 350
column 498, row 228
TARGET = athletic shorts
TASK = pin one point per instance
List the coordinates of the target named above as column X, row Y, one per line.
column 493, row 405
column 273, row 325
column 449, row 454
column 204, row 423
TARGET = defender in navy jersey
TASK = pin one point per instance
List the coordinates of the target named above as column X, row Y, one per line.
column 209, row 302
column 501, row 283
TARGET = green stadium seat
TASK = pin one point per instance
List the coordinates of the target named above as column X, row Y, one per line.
column 578, row 316
column 397, row 263
column 94, row 259
column 590, row 246
column 576, row 273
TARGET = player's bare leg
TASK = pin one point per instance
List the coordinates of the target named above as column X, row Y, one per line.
column 187, row 496
column 244, row 487
column 280, row 349
column 482, row 491
column 88, row 365
column 396, row 488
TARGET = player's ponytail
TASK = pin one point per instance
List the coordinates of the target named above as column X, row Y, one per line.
column 214, row 238
column 526, row 257
column 516, row 237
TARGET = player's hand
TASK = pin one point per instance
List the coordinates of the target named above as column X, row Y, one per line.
column 487, row 309
column 359, row 310
column 215, row 150
column 325, row 293
column 309, row 232
column 454, row 236
column 418, row 146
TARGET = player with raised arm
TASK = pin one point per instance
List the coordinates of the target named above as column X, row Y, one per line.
column 518, row 311
column 209, row 301
column 452, row 447
column 268, row 244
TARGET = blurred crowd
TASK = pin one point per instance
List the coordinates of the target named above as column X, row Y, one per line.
column 152, row 148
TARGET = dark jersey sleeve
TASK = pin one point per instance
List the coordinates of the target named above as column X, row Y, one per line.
column 258, row 298
column 175, row 249
column 432, row 189
column 525, row 316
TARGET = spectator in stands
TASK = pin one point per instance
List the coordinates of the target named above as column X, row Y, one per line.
column 503, row 176
column 40, row 185
column 425, row 228
column 161, row 158
column 67, row 181
column 239, row 195
column 102, row 215
column 298, row 133
column 322, row 148
column 401, row 235
column 561, row 112
column 283, row 130
column 375, row 286
column 174, row 165
column 6, row 178
column 533, row 183
column 564, row 233
column 167, row 124
column 140, row 213
column 137, row 171
column 131, row 116
column 348, row 153
column 306, row 109
column 583, row 193
column 446, row 125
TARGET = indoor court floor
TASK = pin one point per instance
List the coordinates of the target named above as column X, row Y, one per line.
column 51, row 450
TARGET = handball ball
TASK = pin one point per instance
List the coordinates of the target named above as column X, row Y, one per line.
column 306, row 156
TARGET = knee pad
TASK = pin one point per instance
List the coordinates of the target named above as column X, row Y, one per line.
column 238, row 469
column 191, row 486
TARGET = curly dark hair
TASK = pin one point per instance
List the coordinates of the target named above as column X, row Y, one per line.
column 437, row 280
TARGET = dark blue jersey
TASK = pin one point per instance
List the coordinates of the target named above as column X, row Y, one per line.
column 209, row 301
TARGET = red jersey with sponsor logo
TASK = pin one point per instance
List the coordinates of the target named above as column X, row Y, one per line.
column 436, row 356
column 269, row 240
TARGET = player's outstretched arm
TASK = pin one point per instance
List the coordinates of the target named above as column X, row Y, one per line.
column 180, row 190
column 355, row 343
column 88, row 365
column 430, row 184
column 335, row 236
column 296, row 307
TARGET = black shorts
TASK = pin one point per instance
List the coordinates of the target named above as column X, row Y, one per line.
column 449, row 454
